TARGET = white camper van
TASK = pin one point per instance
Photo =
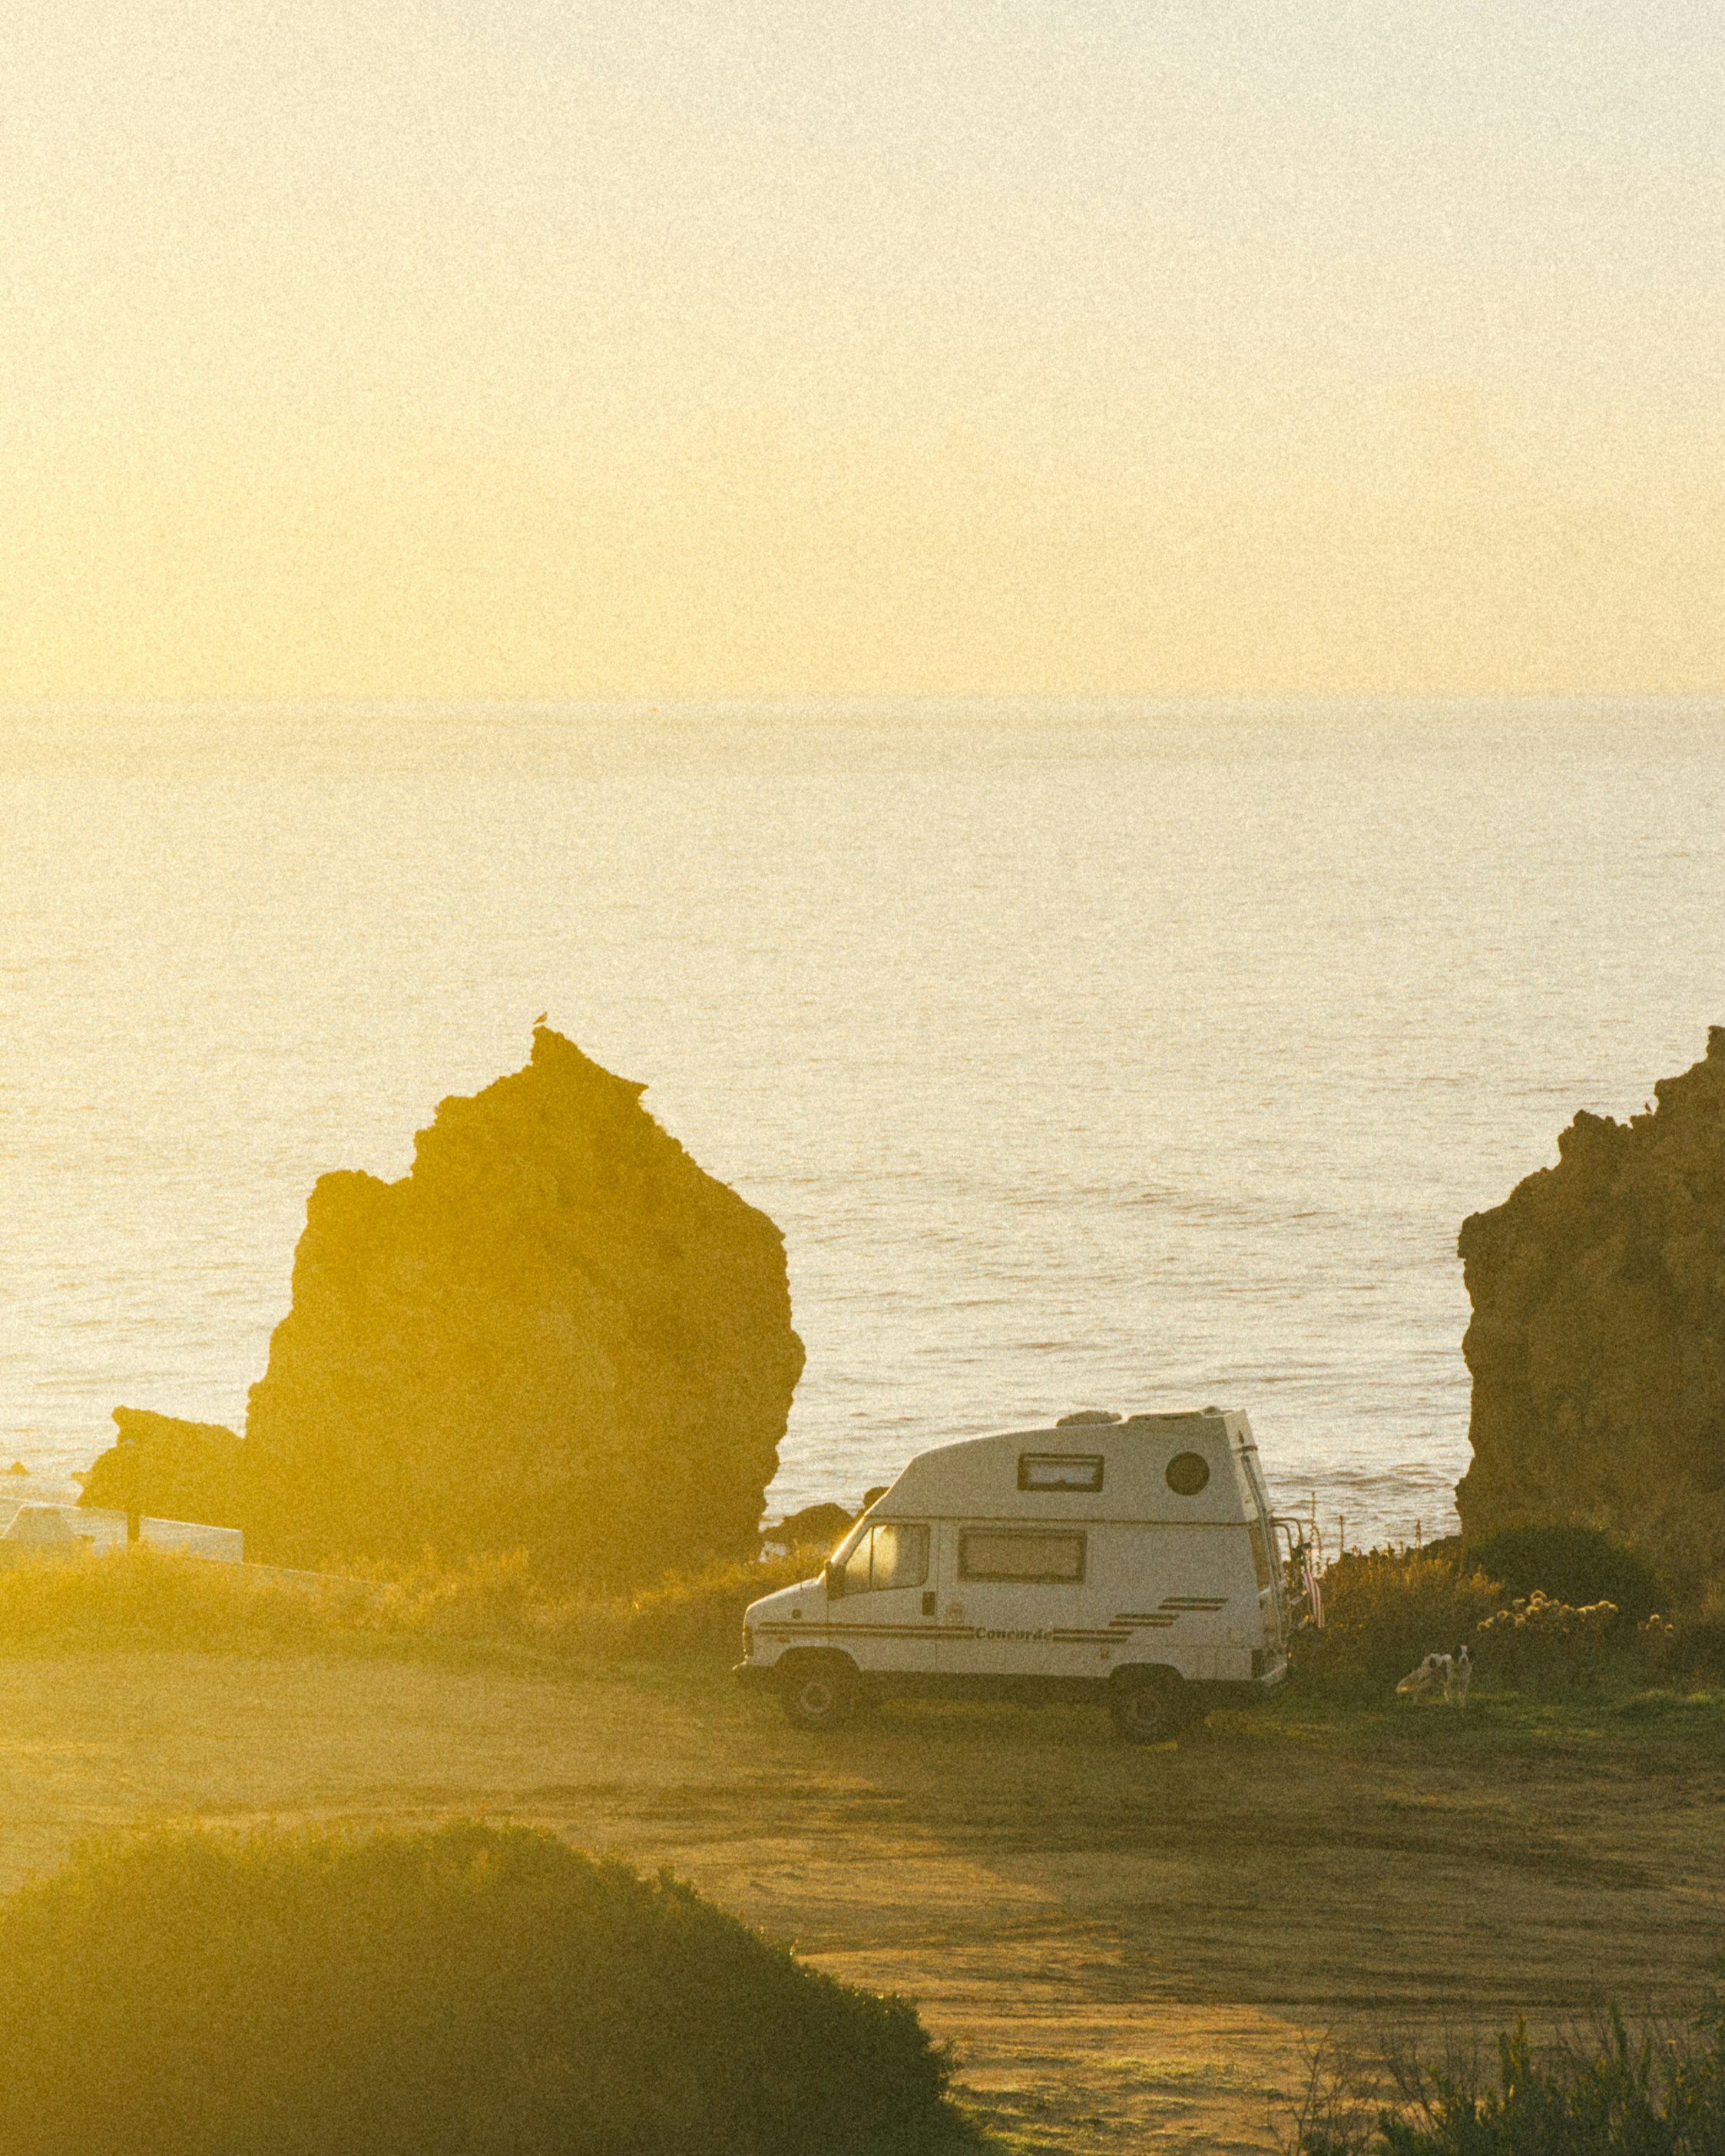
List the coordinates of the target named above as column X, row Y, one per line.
column 1132, row 1561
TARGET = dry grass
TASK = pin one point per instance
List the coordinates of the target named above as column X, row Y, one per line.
column 142, row 1598
column 139, row 1598
column 1128, row 1944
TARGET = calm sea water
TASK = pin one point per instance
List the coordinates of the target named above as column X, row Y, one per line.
column 1104, row 1057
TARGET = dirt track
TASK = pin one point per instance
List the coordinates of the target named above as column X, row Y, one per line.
column 1129, row 1949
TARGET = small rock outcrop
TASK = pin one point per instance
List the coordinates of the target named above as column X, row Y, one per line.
column 1597, row 1344
column 173, row 1470
column 555, row 1334
column 815, row 1523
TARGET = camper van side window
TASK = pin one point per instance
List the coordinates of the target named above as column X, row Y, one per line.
column 1060, row 1470
column 888, row 1555
column 1026, row 1554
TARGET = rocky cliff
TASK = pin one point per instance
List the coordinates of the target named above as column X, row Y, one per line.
column 555, row 1334
column 1598, row 1339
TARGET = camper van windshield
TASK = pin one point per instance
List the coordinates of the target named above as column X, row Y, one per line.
column 888, row 1555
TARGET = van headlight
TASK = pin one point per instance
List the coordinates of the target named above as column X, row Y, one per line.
column 748, row 1643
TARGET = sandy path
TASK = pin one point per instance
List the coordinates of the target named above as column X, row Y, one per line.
column 1130, row 1948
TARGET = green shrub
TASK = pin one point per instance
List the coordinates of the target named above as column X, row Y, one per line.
column 1542, row 1642
column 1703, row 1651
column 1576, row 1565
column 1386, row 1609
column 476, row 1991
column 687, row 1614
column 494, row 1600
column 1690, row 1648
column 487, row 1600
column 1618, row 2095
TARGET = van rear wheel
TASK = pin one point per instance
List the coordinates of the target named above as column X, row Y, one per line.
column 819, row 1695
column 1151, row 1708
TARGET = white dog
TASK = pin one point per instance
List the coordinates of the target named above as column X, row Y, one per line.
column 1425, row 1673
column 1456, row 1676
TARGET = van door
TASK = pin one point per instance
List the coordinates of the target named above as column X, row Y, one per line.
column 1009, row 1600
column 880, row 1596
column 1266, row 1554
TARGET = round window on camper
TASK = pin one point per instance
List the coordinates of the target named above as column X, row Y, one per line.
column 1186, row 1474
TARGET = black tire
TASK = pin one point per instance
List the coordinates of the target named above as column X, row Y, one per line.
column 818, row 1693
column 1149, row 1707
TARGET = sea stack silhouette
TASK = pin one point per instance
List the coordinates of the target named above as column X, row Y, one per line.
column 184, row 1470
column 1598, row 1339
column 555, row 1334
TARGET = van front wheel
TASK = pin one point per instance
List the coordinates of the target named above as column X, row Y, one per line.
column 819, row 1695
column 1149, row 1709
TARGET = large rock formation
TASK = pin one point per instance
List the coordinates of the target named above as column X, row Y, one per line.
column 1597, row 1340
column 555, row 1334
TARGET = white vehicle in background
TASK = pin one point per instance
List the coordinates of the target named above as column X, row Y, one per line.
column 1133, row 1562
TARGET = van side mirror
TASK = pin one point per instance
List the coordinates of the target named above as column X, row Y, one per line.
column 833, row 1577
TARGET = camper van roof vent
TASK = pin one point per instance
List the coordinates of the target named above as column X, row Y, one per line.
column 1086, row 1415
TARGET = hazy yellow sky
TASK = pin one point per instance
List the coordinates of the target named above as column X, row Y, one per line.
column 679, row 347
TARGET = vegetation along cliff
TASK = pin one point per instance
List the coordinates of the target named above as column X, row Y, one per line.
column 555, row 1334
column 1598, row 1339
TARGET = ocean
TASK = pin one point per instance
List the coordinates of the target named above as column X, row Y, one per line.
column 1088, row 1056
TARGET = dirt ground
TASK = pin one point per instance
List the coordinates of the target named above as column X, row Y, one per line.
column 1129, row 1949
